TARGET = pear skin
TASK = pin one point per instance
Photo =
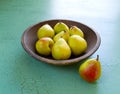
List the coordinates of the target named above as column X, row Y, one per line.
column 60, row 26
column 74, row 30
column 63, row 34
column 90, row 70
column 61, row 50
column 45, row 31
column 44, row 46
column 77, row 44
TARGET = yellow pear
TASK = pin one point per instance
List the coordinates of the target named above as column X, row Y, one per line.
column 77, row 44
column 74, row 30
column 45, row 31
column 60, row 26
column 63, row 34
column 44, row 46
column 61, row 50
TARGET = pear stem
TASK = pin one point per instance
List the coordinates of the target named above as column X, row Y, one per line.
column 97, row 58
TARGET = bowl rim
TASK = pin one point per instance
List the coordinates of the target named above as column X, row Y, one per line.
column 58, row 62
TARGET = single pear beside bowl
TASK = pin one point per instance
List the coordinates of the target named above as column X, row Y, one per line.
column 74, row 30
column 45, row 31
column 60, row 26
column 90, row 70
column 77, row 44
column 61, row 50
column 44, row 46
column 63, row 34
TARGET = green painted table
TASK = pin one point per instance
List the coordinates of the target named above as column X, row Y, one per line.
column 22, row 74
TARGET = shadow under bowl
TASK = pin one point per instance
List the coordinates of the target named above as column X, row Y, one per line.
column 29, row 39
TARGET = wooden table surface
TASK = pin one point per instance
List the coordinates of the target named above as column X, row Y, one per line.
column 22, row 74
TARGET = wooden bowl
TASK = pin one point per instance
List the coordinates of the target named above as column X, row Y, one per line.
column 29, row 39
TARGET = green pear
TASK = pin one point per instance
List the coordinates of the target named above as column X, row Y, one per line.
column 63, row 34
column 90, row 70
column 44, row 46
column 45, row 31
column 74, row 30
column 61, row 50
column 60, row 26
column 77, row 44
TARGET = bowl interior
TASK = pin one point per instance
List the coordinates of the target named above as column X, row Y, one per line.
column 29, row 39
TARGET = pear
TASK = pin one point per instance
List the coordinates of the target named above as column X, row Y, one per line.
column 45, row 31
column 77, row 44
column 44, row 46
column 74, row 30
column 61, row 50
column 60, row 26
column 63, row 34
column 90, row 70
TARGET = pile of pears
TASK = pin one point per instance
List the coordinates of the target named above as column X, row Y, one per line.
column 60, row 41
